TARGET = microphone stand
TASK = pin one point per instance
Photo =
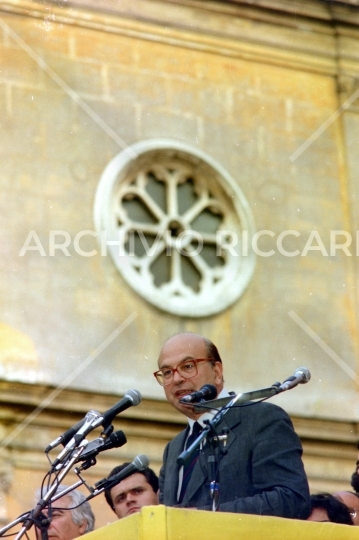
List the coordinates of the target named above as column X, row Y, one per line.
column 29, row 518
column 210, row 431
column 42, row 503
column 99, row 488
column 212, row 442
column 263, row 393
column 25, row 516
column 20, row 519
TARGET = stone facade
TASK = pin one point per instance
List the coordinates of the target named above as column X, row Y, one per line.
column 270, row 91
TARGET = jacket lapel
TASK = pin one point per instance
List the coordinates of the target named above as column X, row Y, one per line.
column 172, row 475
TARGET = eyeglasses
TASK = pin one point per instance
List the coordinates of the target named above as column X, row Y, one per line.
column 187, row 370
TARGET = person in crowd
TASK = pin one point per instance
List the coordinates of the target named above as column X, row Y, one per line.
column 258, row 469
column 351, row 500
column 326, row 507
column 354, row 482
column 139, row 489
column 355, row 476
column 68, row 517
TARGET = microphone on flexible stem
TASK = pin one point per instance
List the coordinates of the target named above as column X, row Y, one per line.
column 301, row 376
column 92, row 421
column 206, row 393
column 66, row 436
column 131, row 398
column 115, row 440
column 140, row 463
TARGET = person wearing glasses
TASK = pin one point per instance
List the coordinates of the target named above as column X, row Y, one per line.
column 257, row 465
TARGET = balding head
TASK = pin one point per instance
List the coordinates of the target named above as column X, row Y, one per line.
column 190, row 339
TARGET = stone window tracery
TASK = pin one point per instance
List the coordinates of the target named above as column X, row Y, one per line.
column 177, row 218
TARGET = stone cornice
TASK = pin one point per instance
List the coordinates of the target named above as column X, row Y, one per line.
column 19, row 400
column 301, row 36
column 22, row 397
column 27, row 425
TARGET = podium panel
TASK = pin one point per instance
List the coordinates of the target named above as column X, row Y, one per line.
column 165, row 523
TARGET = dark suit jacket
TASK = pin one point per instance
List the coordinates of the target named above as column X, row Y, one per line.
column 262, row 472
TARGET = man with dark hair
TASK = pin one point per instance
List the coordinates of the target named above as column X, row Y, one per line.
column 259, row 470
column 139, row 489
column 354, row 482
column 355, row 476
column 325, row 507
column 351, row 500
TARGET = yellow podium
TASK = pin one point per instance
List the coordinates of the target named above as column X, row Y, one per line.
column 165, row 523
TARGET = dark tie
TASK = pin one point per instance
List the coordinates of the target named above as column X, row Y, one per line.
column 188, row 468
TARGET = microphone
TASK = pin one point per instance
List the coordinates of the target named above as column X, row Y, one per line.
column 138, row 464
column 206, row 393
column 92, row 420
column 301, row 376
column 115, row 440
column 65, row 437
column 132, row 397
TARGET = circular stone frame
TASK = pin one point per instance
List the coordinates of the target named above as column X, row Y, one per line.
column 191, row 261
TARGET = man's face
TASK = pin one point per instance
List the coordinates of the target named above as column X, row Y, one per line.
column 131, row 494
column 177, row 350
column 62, row 527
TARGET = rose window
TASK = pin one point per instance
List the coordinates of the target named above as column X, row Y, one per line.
column 176, row 226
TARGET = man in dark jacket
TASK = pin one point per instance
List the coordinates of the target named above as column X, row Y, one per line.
column 259, row 470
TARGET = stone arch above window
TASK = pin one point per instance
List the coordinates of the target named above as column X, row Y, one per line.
column 178, row 223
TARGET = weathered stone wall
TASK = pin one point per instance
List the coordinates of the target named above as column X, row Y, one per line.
column 257, row 88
